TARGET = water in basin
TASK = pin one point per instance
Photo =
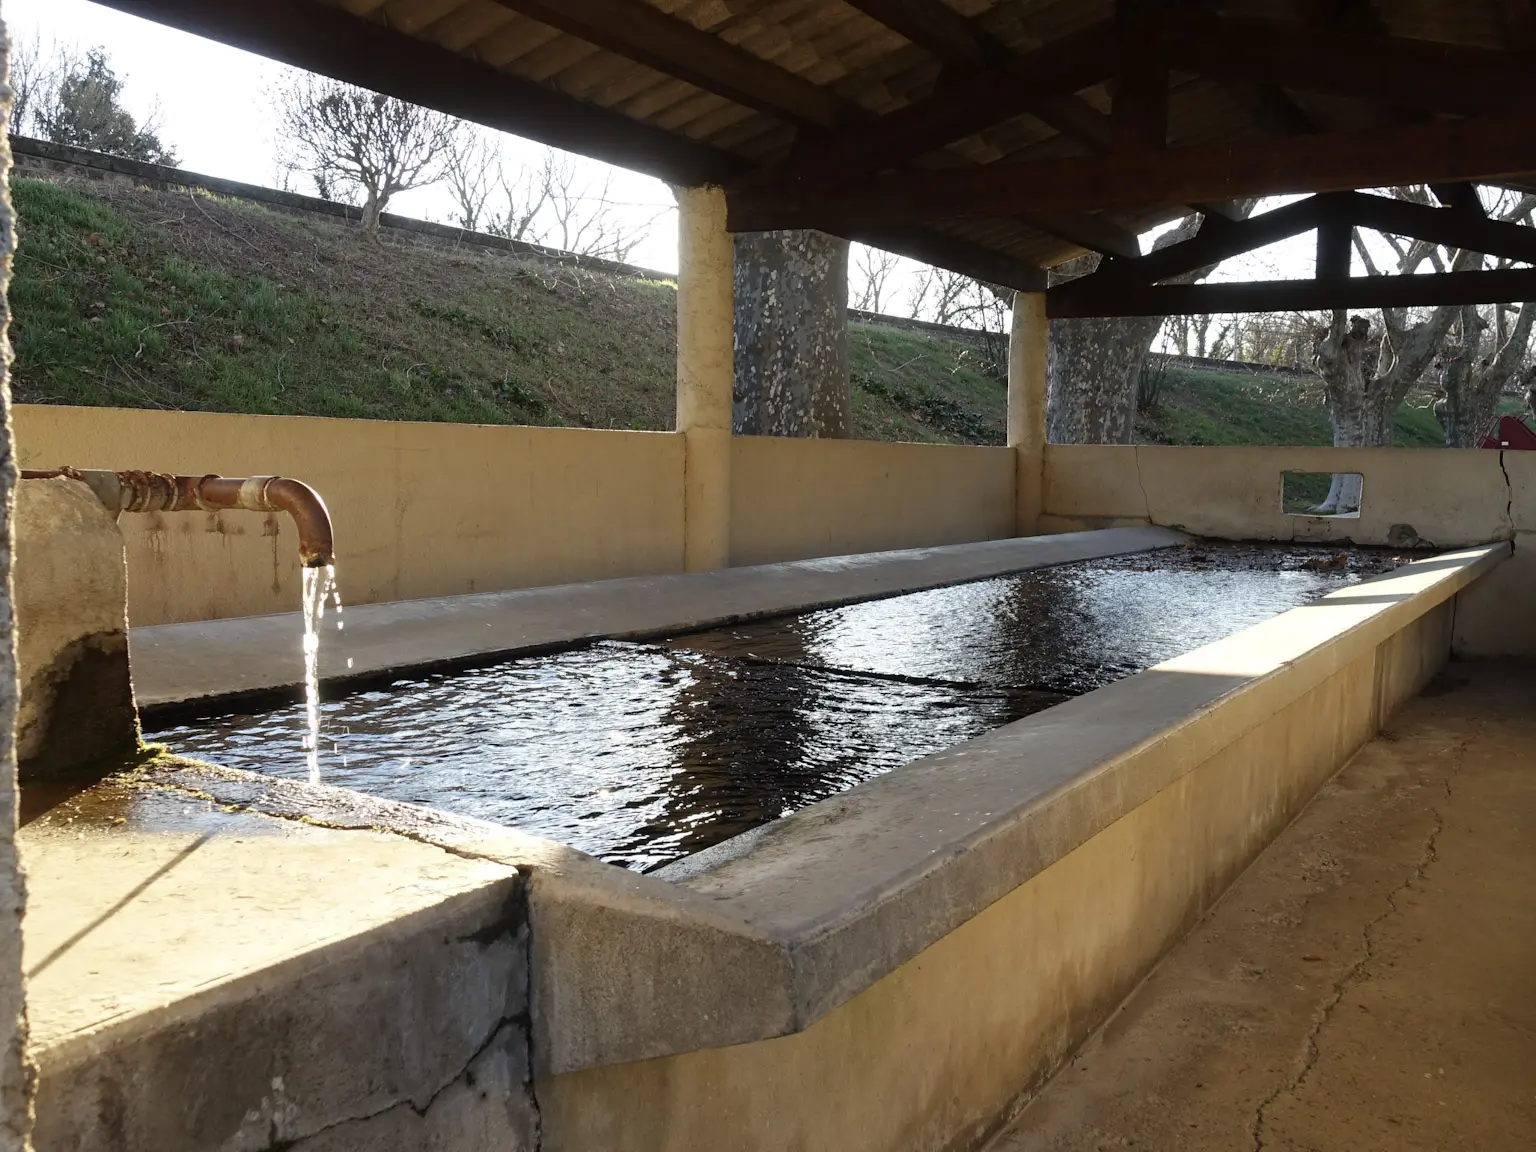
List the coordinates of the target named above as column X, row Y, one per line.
column 644, row 752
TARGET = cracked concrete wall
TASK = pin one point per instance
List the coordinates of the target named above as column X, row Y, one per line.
column 16, row 1083
column 794, row 499
column 413, row 1035
column 1497, row 616
column 71, row 597
column 1435, row 497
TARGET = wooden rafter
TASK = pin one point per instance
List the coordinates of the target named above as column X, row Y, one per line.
column 937, row 28
column 1140, row 112
column 1439, row 151
column 1444, row 288
column 1386, row 70
column 637, row 31
column 972, row 104
column 1333, row 213
column 1101, row 234
column 974, row 260
column 1129, row 288
column 333, row 43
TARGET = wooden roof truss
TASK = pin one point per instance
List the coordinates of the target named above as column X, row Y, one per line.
column 994, row 137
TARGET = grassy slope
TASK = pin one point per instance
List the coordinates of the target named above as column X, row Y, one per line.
column 169, row 300
column 1219, row 408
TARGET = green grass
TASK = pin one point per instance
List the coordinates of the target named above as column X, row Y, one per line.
column 166, row 300
column 150, row 299
column 1219, row 408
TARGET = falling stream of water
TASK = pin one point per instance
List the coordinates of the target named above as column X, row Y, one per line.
column 319, row 583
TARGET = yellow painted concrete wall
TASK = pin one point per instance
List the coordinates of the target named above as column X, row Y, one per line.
column 443, row 509
column 794, row 499
column 1497, row 615
column 1449, row 498
column 935, row 1056
column 420, row 509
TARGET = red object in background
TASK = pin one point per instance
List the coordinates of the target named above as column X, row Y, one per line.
column 1512, row 432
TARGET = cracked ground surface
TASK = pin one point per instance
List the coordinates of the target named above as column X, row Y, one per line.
column 1370, row 983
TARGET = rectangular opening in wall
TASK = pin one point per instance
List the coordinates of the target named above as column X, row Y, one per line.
column 1333, row 494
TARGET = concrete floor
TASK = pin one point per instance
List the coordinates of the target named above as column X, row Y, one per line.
column 1369, row 984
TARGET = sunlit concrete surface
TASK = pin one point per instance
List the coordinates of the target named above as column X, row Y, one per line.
column 179, row 662
column 1368, row 984
column 200, row 976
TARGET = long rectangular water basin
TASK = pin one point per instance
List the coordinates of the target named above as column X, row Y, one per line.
column 642, row 753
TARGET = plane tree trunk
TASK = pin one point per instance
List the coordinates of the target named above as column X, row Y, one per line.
column 1094, row 363
column 791, row 375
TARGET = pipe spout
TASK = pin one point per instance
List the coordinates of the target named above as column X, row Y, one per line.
column 136, row 491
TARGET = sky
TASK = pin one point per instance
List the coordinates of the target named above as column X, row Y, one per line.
column 213, row 106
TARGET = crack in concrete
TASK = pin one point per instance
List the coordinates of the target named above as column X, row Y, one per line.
column 1509, row 489
column 510, row 923
column 298, row 1142
column 1359, row 970
column 531, row 1084
column 1146, row 500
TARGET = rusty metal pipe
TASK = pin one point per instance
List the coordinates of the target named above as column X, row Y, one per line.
column 136, row 491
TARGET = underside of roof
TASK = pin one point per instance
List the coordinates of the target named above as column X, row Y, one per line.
column 996, row 138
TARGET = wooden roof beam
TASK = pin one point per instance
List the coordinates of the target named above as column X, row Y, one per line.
column 937, row 28
column 1385, row 69
column 334, row 43
column 1101, row 234
column 975, row 102
column 1506, row 286
column 980, row 263
column 1438, row 151
column 637, row 31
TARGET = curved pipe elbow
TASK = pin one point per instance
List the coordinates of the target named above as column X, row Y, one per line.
column 157, row 492
column 317, row 548
column 278, row 494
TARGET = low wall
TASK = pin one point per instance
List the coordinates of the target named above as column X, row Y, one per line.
column 1431, row 497
column 420, row 509
column 426, row 510
column 795, row 499
column 1445, row 498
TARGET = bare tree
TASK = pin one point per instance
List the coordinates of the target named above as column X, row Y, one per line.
column 349, row 138
column 871, row 270
column 472, row 172
column 1366, row 375
column 549, row 203
column 35, row 75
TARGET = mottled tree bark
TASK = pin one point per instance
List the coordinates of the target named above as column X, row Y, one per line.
column 1365, row 386
column 1473, row 382
column 15, row 1071
column 792, row 335
column 1094, row 363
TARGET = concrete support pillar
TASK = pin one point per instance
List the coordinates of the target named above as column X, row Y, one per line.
column 705, row 335
column 1028, row 349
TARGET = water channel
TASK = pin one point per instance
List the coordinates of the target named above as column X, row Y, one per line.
column 641, row 753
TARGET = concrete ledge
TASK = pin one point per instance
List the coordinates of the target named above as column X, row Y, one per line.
column 203, row 977
column 176, row 663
